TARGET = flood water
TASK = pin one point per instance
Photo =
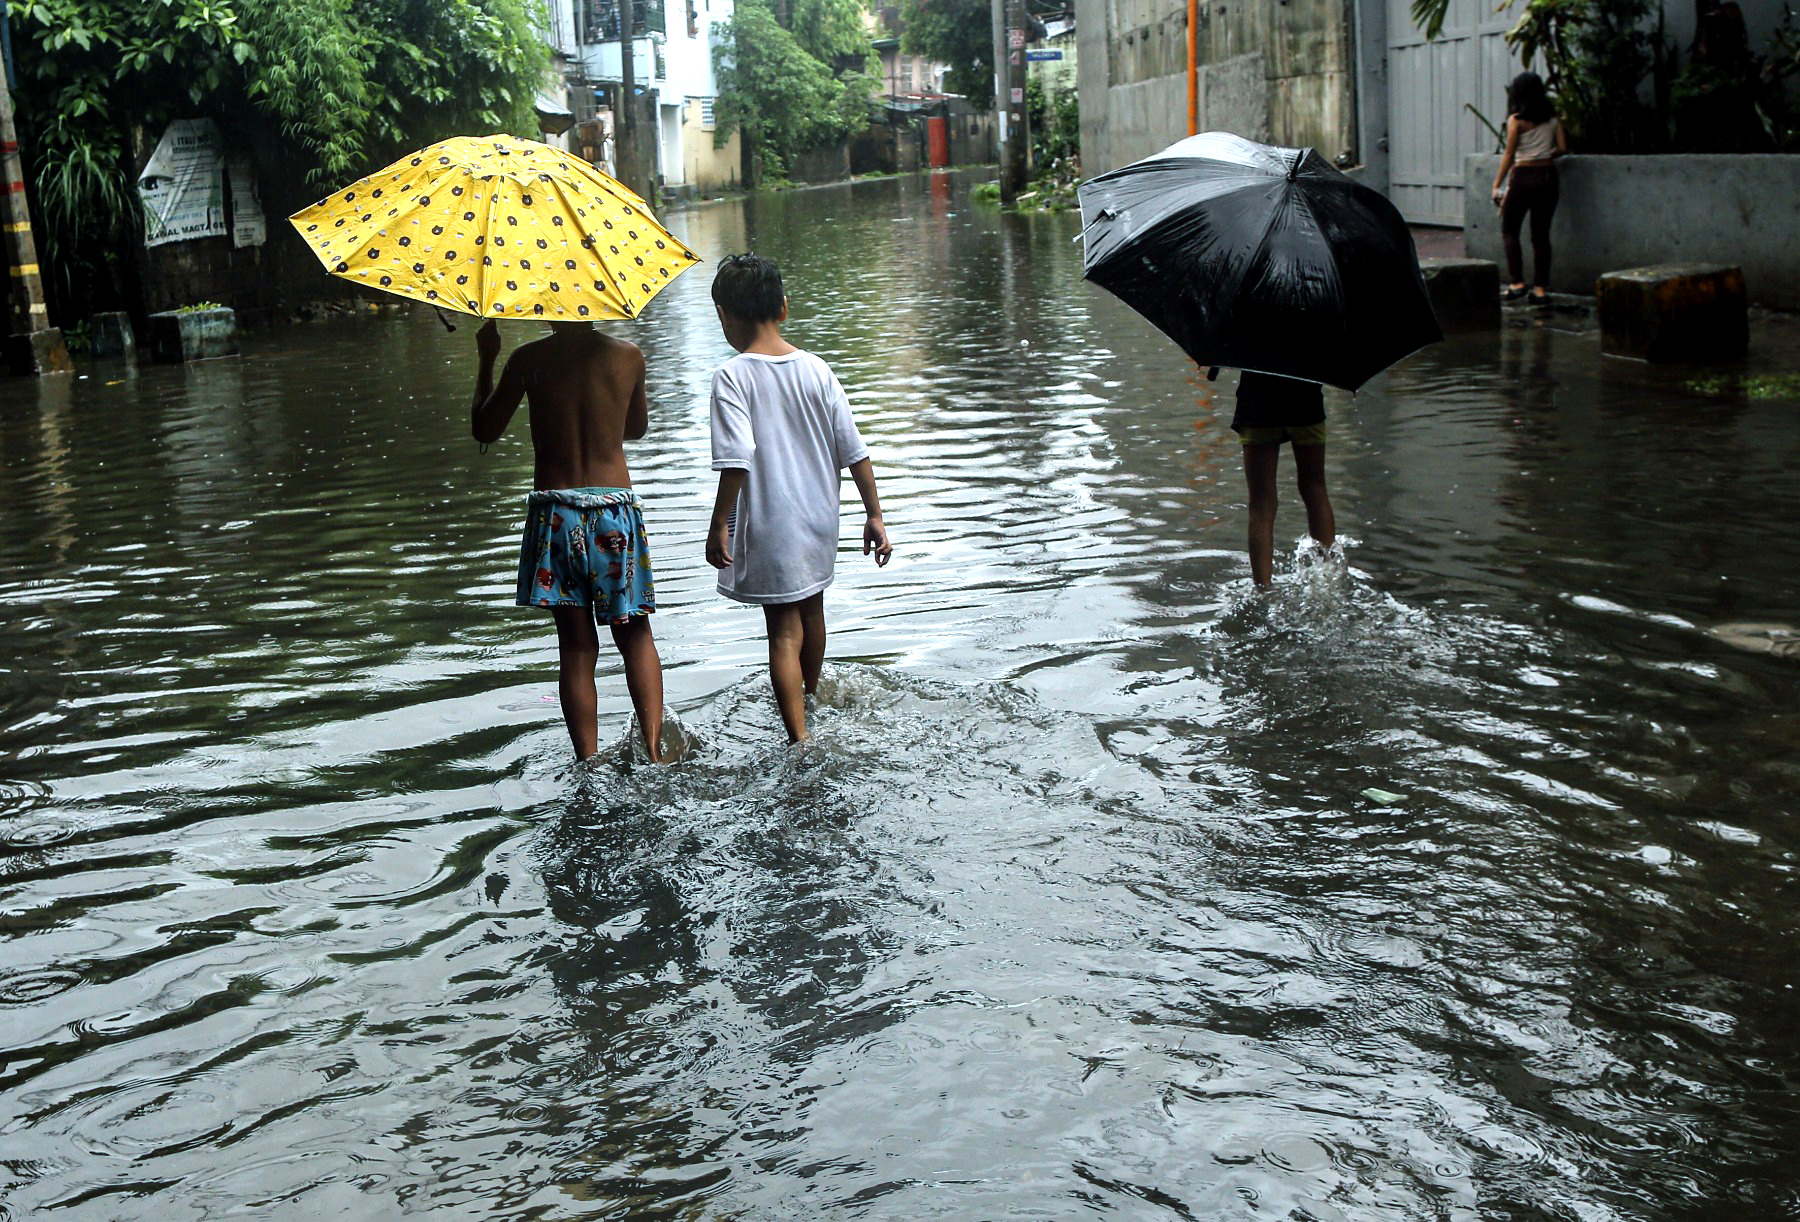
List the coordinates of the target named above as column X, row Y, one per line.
column 1079, row 905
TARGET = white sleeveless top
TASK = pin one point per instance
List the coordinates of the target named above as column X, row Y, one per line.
column 1537, row 142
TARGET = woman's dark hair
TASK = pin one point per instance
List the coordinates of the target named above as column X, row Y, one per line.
column 1527, row 98
column 748, row 288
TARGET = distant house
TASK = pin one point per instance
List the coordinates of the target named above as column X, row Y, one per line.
column 672, row 64
column 903, row 77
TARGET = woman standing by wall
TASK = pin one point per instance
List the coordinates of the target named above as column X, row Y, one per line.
column 1534, row 139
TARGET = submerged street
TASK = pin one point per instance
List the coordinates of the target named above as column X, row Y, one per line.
column 1081, row 902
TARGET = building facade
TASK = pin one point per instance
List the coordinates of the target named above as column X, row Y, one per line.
column 672, row 75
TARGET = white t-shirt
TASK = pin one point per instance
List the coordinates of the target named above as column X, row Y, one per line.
column 786, row 421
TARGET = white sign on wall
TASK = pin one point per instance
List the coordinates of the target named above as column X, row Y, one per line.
column 248, row 225
column 183, row 187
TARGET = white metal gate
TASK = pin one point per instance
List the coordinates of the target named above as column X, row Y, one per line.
column 1431, row 86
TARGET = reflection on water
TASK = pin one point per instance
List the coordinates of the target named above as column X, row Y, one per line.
column 1078, row 903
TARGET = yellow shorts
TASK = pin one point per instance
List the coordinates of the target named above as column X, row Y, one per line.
column 1304, row 435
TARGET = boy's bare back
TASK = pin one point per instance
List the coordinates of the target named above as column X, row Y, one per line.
column 586, row 391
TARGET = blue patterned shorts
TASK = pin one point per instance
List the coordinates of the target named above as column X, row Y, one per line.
column 586, row 547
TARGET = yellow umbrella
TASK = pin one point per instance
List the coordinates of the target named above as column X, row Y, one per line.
column 498, row 228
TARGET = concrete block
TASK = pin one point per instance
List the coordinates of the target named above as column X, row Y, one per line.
column 1674, row 312
column 112, row 336
column 192, row 335
column 36, row 353
column 1465, row 293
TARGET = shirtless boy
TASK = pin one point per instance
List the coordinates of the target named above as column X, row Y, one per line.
column 584, row 554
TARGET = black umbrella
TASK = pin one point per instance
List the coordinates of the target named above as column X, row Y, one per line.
column 1259, row 258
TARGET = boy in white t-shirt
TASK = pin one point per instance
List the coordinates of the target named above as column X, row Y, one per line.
column 781, row 433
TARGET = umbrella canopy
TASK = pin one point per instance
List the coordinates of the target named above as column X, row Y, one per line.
column 499, row 228
column 1259, row 258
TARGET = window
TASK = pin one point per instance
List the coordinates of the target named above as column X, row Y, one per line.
column 599, row 21
column 693, row 15
column 706, row 113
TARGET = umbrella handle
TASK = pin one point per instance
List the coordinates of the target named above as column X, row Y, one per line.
column 443, row 318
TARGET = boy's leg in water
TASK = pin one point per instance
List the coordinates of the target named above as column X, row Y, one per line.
column 812, row 649
column 1261, row 461
column 578, row 644
column 643, row 678
column 1309, row 470
column 787, row 641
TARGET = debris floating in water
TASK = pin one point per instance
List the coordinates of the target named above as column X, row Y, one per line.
column 1386, row 797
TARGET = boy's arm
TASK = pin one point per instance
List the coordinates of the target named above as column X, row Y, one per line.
column 718, row 537
column 637, row 412
column 875, row 537
column 494, row 405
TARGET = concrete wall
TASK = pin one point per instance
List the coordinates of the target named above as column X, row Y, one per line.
column 1619, row 212
column 707, row 168
column 1280, row 72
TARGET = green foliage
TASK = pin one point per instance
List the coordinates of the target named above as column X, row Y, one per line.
column 325, row 89
column 986, row 193
column 1729, row 99
column 451, row 67
column 1595, row 54
column 792, row 88
column 831, row 31
column 958, row 34
column 1055, row 124
column 1429, row 15
column 1761, row 387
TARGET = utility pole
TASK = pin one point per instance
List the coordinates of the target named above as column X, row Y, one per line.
column 625, row 137
column 1012, row 74
column 33, row 346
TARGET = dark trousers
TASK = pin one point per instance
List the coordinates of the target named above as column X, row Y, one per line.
column 1533, row 189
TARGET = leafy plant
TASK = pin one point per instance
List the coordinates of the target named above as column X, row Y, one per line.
column 1596, row 55
column 1055, row 123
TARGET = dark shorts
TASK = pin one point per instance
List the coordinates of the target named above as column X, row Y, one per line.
column 1271, row 408
column 1299, row 434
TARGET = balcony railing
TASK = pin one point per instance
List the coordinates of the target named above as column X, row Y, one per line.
column 600, row 19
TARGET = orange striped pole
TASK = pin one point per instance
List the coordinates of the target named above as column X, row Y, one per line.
column 1193, row 81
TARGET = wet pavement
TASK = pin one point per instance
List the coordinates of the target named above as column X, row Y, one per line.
column 1455, row 879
